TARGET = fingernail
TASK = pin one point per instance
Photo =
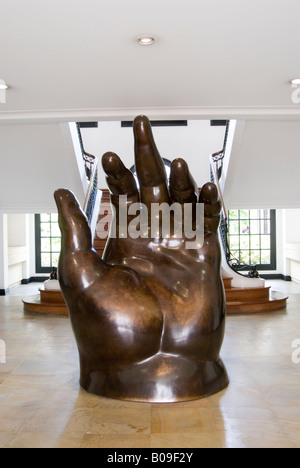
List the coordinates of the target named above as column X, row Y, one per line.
column 209, row 194
column 113, row 165
column 180, row 174
column 142, row 130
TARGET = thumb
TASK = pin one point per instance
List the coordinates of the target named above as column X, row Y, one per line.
column 79, row 264
column 76, row 234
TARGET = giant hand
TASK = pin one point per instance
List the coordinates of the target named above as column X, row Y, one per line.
column 149, row 318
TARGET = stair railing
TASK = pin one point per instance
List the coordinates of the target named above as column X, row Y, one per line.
column 91, row 196
column 216, row 167
column 91, row 169
column 215, row 179
column 223, row 228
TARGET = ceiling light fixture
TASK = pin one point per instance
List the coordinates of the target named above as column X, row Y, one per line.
column 146, row 40
column 3, row 85
column 3, row 88
column 295, row 81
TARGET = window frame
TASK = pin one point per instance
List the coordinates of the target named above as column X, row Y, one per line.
column 273, row 244
column 38, row 246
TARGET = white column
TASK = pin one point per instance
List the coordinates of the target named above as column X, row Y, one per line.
column 286, row 270
column 31, row 245
column 3, row 253
column 26, row 265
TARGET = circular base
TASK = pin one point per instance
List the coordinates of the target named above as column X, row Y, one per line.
column 161, row 379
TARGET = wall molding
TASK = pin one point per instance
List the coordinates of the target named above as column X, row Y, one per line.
column 159, row 113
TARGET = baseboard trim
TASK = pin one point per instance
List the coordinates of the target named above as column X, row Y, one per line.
column 35, row 279
column 32, row 279
column 287, row 278
column 4, row 292
column 276, row 276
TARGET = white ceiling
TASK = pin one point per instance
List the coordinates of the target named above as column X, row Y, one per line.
column 74, row 59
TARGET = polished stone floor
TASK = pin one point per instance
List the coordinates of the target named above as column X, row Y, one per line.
column 41, row 404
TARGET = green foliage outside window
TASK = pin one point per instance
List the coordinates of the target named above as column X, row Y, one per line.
column 252, row 238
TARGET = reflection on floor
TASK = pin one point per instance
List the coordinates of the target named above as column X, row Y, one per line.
column 41, row 404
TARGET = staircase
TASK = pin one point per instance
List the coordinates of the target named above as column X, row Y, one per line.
column 238, row 300
column 47, row 302
column 252, row 300
column 243, row 295
column 99, row 244
column 51, row 301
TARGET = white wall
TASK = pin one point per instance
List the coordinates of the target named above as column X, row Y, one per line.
column 16, row 250
column 292, row 226
column 195, row 143
column 263, row 172
column 36, row 159
column 16, row 230
column 264, row 166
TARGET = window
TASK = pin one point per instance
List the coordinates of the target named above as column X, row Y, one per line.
column 252, row 239
column 158, row 123
column 48, row 242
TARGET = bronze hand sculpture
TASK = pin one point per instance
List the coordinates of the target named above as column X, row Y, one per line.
column 149, row 318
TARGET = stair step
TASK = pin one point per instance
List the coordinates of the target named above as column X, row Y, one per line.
column 51, row 296
column 247, row 294
column 227, row 282
column 238, row 300
column 35, row 305
column 276, row 301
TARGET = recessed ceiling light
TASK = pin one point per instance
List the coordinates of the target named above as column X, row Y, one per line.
column 295, row 81
column 3, row 85
column 146, row 40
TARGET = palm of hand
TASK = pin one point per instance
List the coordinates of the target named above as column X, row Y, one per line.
column 149, row 318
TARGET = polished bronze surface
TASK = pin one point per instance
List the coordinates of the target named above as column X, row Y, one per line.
column 149, row 317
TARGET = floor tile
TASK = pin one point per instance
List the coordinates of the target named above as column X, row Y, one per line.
column 186, row 440
column 42, row 404
column 116, row 441
column 47, row 440
column 172, row 420
column 120, row 421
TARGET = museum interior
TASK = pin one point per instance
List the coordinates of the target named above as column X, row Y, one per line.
column 195, row 103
